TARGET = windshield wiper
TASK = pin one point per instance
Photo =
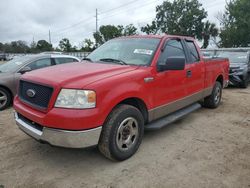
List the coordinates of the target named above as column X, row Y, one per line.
column 118, row 61
column 87, row 59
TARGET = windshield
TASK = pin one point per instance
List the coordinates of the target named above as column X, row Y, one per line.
column 14, row 64
column 130, row 51
column 234, row 57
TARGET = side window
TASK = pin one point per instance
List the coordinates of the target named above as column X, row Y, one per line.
column 40, row 64
column 173, row 48
column 64, row 60
column 193, row 52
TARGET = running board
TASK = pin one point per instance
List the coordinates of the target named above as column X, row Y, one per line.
column 158, row 124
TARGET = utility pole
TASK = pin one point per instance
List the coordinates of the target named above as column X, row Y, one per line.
column 96, row 25
column 96, row 20
column 49, row 37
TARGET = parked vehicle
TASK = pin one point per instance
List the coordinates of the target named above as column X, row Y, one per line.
column 3, row 56
column 207, row 55
column 239, row 74
column 127, row 85
column 51, row 52
column 239, row 58
column 11, row 71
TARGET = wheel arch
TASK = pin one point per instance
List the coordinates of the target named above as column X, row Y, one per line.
column 2, row 86
column 137, row 103
column 133, row 101
column 220, row 79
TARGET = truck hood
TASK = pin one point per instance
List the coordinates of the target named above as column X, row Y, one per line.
column 237, row 65
column 76, row 75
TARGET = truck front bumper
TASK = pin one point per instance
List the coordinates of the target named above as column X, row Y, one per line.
column 59, row 137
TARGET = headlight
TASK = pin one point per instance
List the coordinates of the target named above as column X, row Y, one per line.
column 80, row 99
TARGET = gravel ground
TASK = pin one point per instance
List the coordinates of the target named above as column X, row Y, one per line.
column 208, row 148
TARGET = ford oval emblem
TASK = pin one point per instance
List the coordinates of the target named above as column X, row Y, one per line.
column 31, row 93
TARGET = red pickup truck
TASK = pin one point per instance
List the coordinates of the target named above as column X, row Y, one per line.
column 125, row 86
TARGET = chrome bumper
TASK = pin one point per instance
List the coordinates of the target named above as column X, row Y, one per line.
column 62, row 138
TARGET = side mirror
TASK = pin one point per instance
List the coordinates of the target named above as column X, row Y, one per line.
column 25, row 69
column 173, row 63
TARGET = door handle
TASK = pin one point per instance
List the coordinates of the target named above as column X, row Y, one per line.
column 189, row 73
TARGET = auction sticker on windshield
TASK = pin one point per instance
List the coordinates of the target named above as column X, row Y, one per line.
column 143, row 51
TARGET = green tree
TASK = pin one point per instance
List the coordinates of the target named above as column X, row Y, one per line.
column 180, row 17
column 43, row 45
column 87, row 45
column 1, row 46
column 129, row 30
column 209, row 30
column 33, row 49
column 16, row 47
column 74, row 49
column 235, row 24
column 65, row 45
column 107, row 32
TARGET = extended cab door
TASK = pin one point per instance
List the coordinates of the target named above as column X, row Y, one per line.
column 195, row 71
column 169, row 85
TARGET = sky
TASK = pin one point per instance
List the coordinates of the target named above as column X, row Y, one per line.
column 75, row 19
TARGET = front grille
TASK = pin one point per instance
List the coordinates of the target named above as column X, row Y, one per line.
column 42, row 94
column 232, row 70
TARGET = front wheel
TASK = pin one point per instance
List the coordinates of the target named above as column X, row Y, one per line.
column 214, row 99
column 5, row 98
column 122, row 133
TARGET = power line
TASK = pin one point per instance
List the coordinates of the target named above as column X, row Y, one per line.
column 96, row 20
column 49, row 37
column 110, row 13
column 126, row 4
column 138, row 7
column 62, row 31
column 88, row 19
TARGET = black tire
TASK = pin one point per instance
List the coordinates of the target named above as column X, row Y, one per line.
column 244, row 83
column 213, row 101
column 5, row 93
column 111, row 133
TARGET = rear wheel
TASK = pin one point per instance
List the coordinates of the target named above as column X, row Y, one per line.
column 5, row 98
column 122, row 133
column 214, row 99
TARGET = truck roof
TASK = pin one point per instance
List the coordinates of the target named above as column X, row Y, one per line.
column 158, row 36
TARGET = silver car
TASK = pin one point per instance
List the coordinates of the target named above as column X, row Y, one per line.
column 11, row 71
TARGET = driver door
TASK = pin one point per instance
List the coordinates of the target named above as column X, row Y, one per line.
column 169, row 84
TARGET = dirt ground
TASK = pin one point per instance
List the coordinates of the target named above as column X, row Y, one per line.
column 208, row 148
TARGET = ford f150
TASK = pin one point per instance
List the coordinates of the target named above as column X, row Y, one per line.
column 125, row 86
